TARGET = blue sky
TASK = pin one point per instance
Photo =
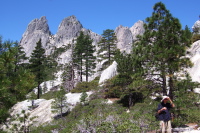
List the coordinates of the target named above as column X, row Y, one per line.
column 96, row 15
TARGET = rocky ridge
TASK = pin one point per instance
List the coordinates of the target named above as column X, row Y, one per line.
column 70, row 28
column 68, row 31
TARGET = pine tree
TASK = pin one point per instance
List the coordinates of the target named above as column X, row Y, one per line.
column 89, row 57
column 83, row 97
column 163, row 46
column 60, row 102
column 15, row 81
column 130, row 77
column 78, row 54
column 20, row 57
column 107, row 47
column 37, row 65
column 68, row 77
column 83, row 55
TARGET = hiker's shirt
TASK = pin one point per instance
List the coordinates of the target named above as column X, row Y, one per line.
column 165, row 114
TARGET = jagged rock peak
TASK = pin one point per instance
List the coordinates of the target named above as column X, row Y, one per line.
column 124, row 38
column 196, row 27
column 69, row 21
column 38, row 25
column 68, row 29
column 137, row 29
column 37, row 28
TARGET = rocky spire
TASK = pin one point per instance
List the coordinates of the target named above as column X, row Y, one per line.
column 137, row 29
column 124, row 38
column 68, row 29
column 196, row 27
column 37, row 28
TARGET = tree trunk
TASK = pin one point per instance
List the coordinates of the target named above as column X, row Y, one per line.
column 130, row 100
column 38, row 94
column 171, row 87
column 61, row 107
column 81, row 71
column 164, row 86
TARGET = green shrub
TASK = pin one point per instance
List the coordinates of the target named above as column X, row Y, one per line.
column 135, row 98
column 113, row 92
column 49, row 95
column 85, row 86
column 195, row 38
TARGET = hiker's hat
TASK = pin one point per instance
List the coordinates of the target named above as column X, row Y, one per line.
column 164, row 98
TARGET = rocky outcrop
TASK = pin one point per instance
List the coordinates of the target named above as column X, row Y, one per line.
column 137, row 29
column 126, row 36
column 68, row 29
column 195, row 58
column 37, row 28
column 41, row 114
column 108, row 73
column 196, row 27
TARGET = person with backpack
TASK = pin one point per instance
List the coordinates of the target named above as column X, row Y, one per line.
column 164, row 115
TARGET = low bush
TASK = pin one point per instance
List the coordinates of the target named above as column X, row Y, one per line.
column 85, row 86
column 195, row 38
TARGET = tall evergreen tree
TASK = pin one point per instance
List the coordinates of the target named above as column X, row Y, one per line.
column 68, row 77
column 89, row 57
column 20, row 57
column 37, row 65
column 14, row 83
column 107, row 47
column 83, row 57
column 163, row 46
column 78, row 54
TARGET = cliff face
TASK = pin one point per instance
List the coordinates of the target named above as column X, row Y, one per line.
column 68, row 30
column 37, row 28
column 126, row 36
column 196, row 27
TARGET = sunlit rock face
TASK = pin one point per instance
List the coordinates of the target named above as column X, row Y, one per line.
column 108, row 73
column 196, row 27
column 68, row 29
column 42, row 113
column 195, row 59
column 126, row 36
column 37, row 28
column 137, row 29
column 67, row 32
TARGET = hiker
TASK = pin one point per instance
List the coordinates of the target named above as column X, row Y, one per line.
column 163, row 111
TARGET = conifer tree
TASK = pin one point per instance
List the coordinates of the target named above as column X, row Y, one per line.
column 83, row 55
column 20, row 57
column 60, row 101
column 37, row 65
column 15, row 81
column 78, row 54
column 163, row 46
column 68, row 77
column 107, row 47
column 89, row 57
